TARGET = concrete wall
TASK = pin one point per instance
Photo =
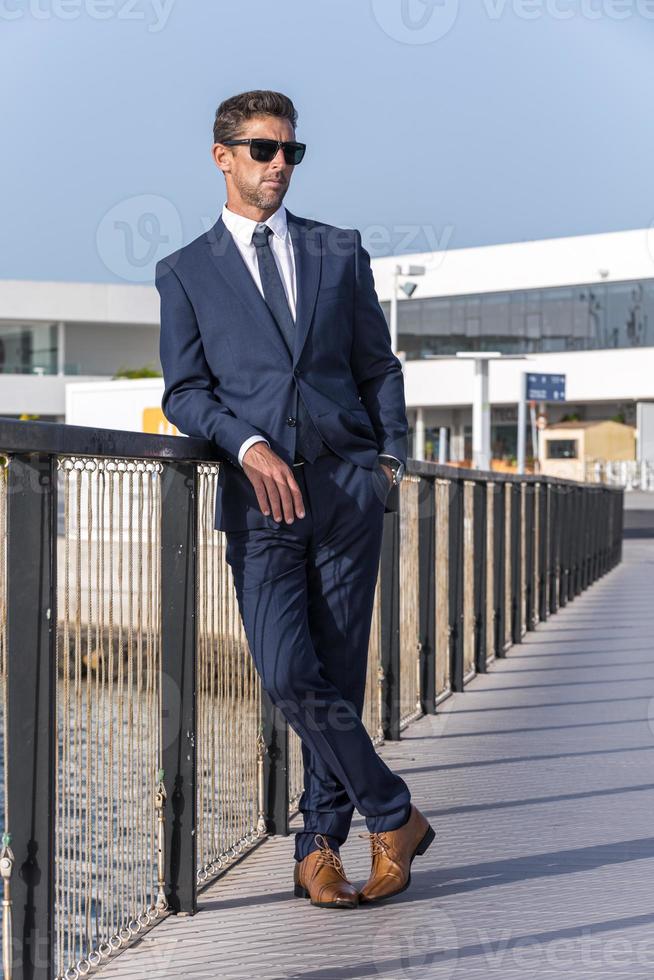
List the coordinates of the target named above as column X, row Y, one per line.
column 591, row 376
column 82, row 302
column 23, row 393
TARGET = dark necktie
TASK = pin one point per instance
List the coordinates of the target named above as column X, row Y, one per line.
column 308, row 440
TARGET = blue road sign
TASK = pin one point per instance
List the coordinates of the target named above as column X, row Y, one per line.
column 546, row 387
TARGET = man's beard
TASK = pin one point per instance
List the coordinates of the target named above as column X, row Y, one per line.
column 263, row 197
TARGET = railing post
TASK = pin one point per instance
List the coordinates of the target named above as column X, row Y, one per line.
column 516, row 565
column 31, row 725
column 564, row 542
column 572, row 542
column 600, row 532
column 575, row 543
column 389, row 570
column 611, row 531
column 275, row 766
column 554, row 546
column 584, row 539
column 591, row 517
column 479, row 517
column 179, row 492
column 456, row 583
column 427, row 596
column 608, row 547
column 529, row 561
column 543, row 550
column 618, row 523
column 599, row 535
column 499, row 537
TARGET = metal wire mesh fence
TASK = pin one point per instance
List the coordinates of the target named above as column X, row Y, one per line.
column 108, row 752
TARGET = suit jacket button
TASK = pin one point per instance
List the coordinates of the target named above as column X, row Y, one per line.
column 290, row 420
column 297, row 372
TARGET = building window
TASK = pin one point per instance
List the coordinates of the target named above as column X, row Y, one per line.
column 562, row 449
column 28, row 348
column 598, row 316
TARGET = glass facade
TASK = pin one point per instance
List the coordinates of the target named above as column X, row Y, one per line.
column 585, row 317
column 28, row 348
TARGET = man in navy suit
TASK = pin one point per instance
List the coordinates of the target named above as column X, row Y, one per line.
column 274, row 347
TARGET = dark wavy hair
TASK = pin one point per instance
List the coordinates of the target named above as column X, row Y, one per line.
column 233, row 112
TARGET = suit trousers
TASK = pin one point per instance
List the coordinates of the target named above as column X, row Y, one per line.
column 305, row 592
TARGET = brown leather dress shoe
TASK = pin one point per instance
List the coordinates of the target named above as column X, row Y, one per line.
column 320, row 877
column 392, row 852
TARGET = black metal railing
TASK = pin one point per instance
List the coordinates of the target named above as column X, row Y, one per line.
column 109, row 528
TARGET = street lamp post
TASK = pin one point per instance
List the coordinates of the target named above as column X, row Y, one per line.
column 396, row 275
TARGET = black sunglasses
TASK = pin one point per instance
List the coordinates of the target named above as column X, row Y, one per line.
column 263, row 151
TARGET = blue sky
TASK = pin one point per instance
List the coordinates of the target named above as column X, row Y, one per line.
column 429, row 123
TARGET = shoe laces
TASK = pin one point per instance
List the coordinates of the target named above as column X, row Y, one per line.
column 328, row 856
column 378, row 843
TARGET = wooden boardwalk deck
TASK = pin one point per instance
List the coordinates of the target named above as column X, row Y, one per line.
column 539, row 782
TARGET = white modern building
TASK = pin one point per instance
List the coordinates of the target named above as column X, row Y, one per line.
column 52, row 333
column 579, row 306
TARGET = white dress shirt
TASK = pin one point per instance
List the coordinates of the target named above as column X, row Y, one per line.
column 281, row 244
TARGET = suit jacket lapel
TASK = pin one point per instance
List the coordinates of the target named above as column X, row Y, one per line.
column 307, row 251
column 235, row 274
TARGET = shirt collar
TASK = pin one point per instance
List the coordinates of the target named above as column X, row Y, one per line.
column 243, row 228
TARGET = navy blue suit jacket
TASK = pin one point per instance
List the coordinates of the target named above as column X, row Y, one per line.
column 228, row 373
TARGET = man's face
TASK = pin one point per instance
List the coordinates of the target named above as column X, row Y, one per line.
column 259, row 185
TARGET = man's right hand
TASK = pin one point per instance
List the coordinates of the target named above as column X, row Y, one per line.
column 273, row 481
